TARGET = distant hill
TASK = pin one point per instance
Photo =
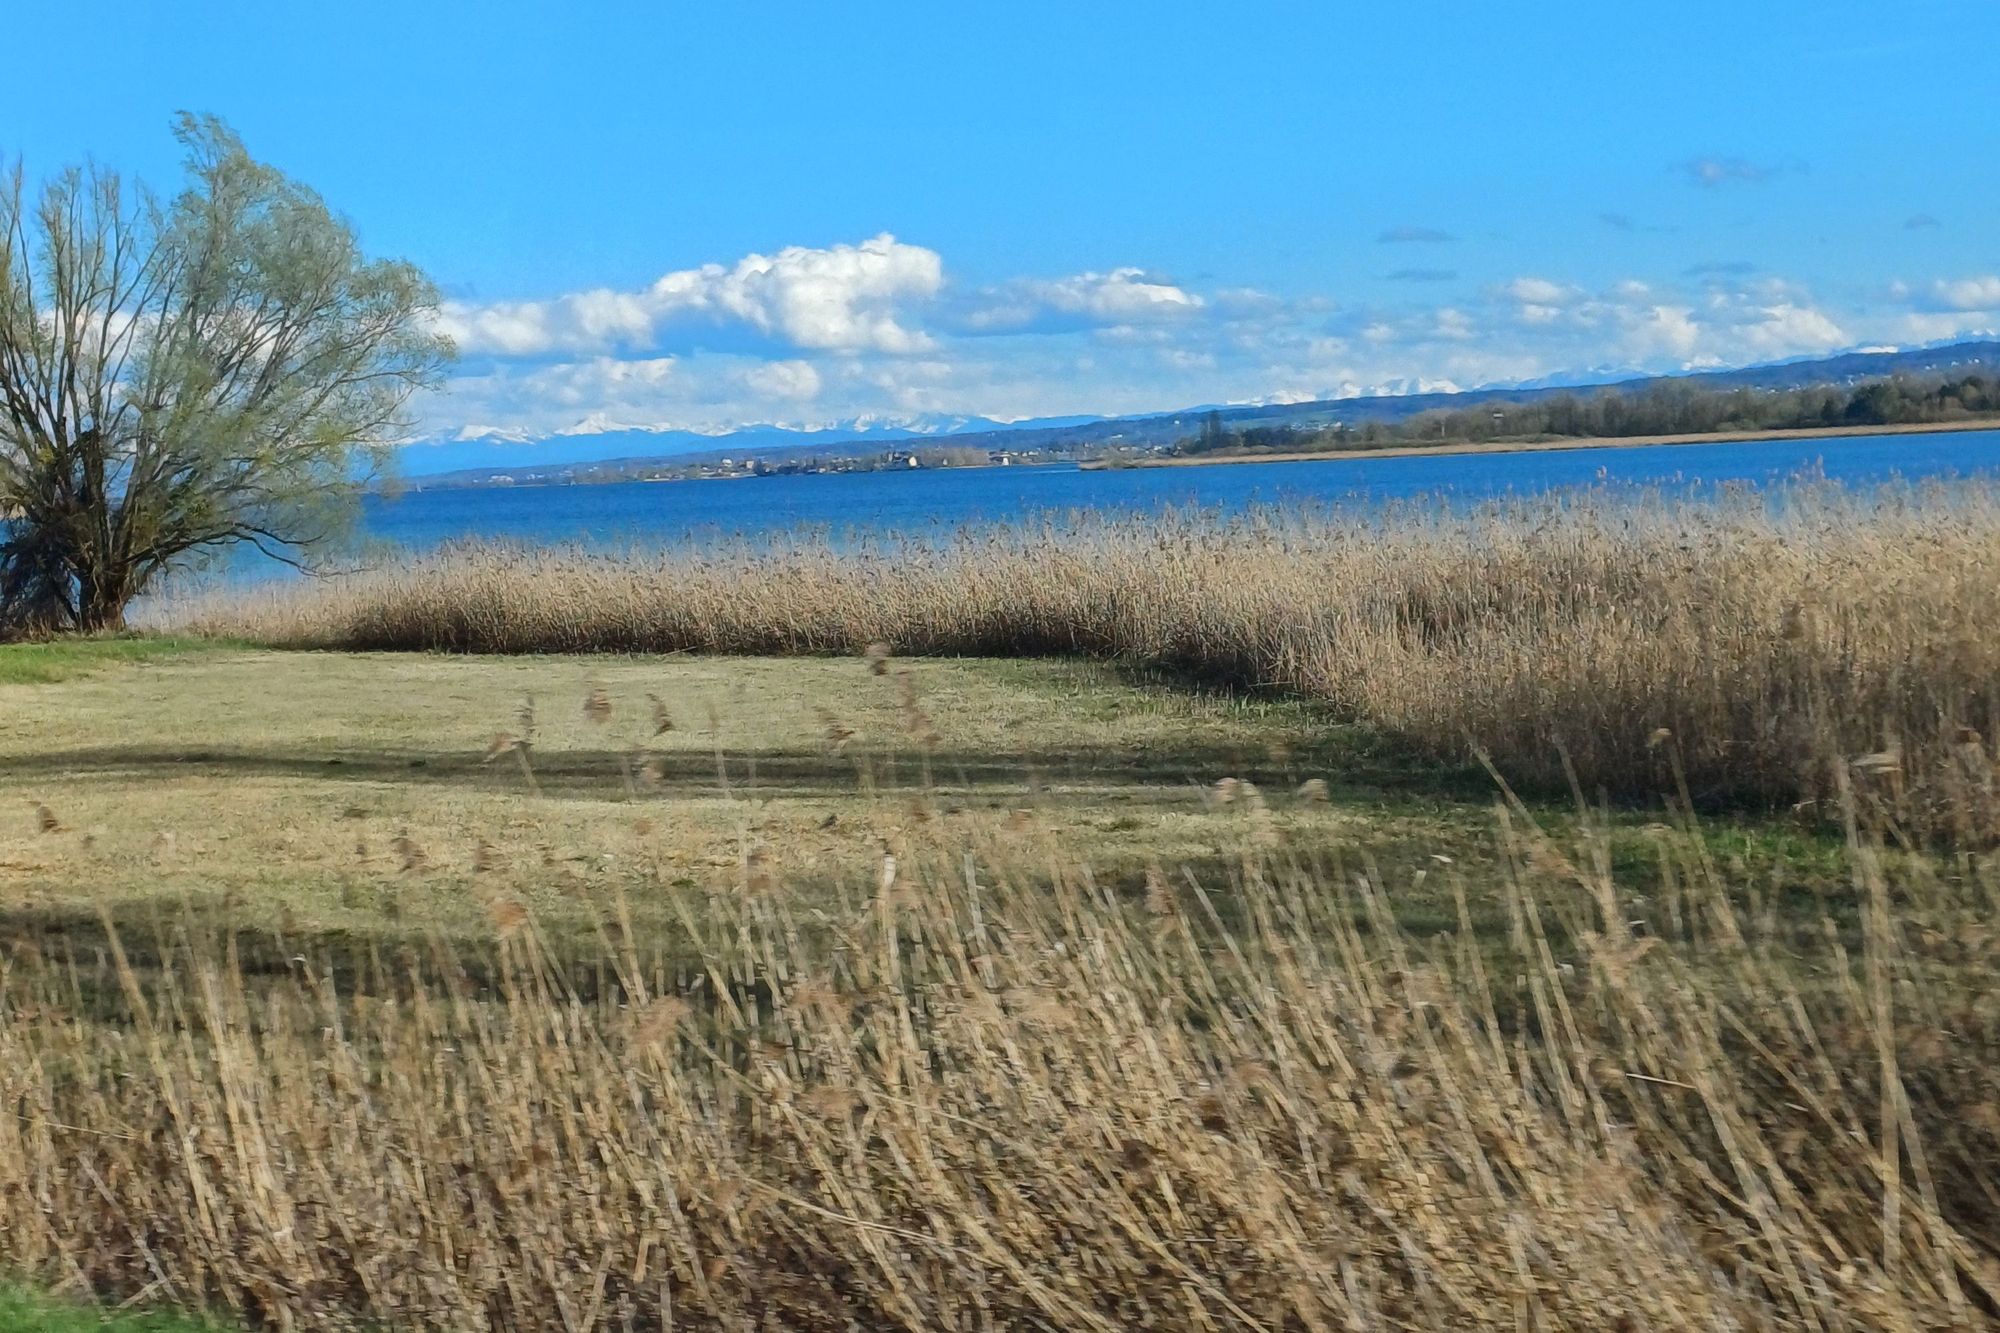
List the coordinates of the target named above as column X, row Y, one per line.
column 480, row 452
column 477, row 460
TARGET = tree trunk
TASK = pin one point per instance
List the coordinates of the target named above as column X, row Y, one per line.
column 101, row 600
column 102, row 620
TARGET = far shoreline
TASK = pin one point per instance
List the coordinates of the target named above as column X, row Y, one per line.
column 1545, row 446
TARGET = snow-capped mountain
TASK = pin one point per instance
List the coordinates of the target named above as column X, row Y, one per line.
column 595, row 437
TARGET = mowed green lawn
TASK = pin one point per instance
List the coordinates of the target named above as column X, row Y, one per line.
column 345, row 793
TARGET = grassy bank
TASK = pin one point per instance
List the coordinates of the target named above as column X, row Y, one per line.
column 1638, row 644
column 53, row 660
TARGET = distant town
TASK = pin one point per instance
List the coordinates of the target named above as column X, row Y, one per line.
column 764, row 465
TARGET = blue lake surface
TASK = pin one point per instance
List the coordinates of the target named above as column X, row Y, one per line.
column 917, row 502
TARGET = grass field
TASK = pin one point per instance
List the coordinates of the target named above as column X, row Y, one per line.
column 46, row 663
column 357, row 794
column 330, row 792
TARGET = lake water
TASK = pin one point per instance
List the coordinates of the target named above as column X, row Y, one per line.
column 933, row 500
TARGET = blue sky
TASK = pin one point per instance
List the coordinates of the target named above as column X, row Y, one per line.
column 705, row 216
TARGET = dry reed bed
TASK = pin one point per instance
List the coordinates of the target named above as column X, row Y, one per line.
column 1745, row 637
column 995, row 1103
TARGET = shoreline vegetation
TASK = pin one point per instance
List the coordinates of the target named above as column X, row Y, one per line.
column 1576, row 635
column 1659, row 412
column 984, row 1082
column 1528, row 446
column 625, row 1027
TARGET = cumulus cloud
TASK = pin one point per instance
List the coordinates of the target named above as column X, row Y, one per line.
column 1710, row 172
column 1935, row 326
column 1409, row 235
column 1538, row 291
column 1786, row 329
column 1247, row 303
column 1663, row 331
column 1452, row 323
column 1547, row 325
column 1539, row 301
column 843, row 298
column 840, row 298
column 793, row 381
column 820, row 337
column 505, row 330
column 1979, row 293
column 1120, row 298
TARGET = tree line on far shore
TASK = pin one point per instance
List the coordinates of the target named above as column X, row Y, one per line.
column 1657, row 409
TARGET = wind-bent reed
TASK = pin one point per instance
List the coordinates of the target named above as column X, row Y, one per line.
column 1742, row 636
column 963, row 1098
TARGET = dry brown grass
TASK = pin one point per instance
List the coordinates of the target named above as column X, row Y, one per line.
column 962, row 1096
column 271, row 789
column 1740, row 641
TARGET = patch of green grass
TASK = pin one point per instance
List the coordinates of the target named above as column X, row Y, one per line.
column 52, row 660
column 26, row 1312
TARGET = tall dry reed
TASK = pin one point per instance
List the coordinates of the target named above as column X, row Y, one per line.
column 966, row 1098
column 1743, row 637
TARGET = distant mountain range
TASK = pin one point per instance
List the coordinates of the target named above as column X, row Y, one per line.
column 476, row 455
column 592, row 441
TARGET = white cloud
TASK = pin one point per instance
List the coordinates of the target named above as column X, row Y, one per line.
column 1789, row 330
column 607, row 316
column 1540, row 301
column 1452, row 323
column 506, row 330
column 1936, row 327
column 1247, row 303
column 1981, row 293
column 794, row 381
column 1122, row 297
column 807, row 336
column 845, row 298
column 1664, row 330
column 1538, row 291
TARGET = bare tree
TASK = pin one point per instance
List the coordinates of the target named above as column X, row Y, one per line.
column 176, row 376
